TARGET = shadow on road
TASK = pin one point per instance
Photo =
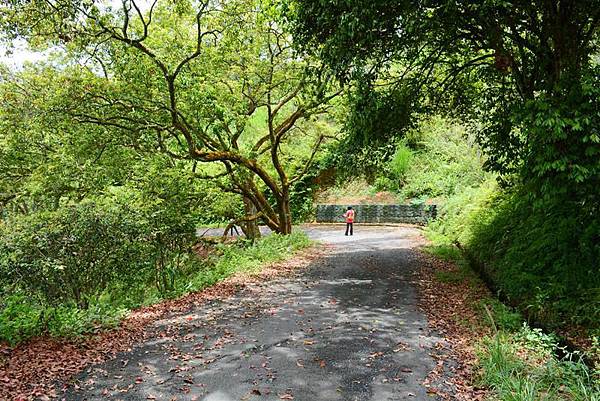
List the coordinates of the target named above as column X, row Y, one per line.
column 347, row 328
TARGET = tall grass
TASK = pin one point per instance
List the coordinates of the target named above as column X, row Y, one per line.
column 522, row 366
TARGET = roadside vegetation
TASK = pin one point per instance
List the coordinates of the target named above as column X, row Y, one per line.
column 535, row 260
column 82, row 269
column 522, row 365
column 513, row 360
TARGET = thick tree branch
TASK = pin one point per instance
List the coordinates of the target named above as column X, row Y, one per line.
column 249, row 164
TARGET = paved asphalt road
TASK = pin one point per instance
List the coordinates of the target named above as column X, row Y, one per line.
column 345, row 329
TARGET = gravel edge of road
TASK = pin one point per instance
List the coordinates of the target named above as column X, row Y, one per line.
column 454, row 377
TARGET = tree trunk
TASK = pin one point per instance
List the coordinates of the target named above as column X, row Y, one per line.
column 250, row 228
column 285, row 214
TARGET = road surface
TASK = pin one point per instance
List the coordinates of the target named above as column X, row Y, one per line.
column 347, row 328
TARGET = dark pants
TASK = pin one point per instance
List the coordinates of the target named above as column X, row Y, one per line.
column 349, row 227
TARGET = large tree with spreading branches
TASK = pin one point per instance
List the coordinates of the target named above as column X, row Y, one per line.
column 212, row 82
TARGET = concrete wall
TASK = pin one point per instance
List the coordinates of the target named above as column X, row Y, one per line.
column 410, row 214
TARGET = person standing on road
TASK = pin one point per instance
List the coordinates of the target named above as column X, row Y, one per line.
column 349, row 215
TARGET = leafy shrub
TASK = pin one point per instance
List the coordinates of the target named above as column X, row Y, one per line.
column 71, row 254
column 445, row 161
column 23, row 317
column 383, row 183
column 401, row 161
column 18, row 319
column 26, row 311
column 82, row 265
column 302, row 193
column 167, row 237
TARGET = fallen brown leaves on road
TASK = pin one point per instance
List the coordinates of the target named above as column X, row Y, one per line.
column 286, row 396
column 30, row 370
column 451, row 310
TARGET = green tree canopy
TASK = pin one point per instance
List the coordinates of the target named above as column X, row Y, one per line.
column 527, row 69
column 208, row 82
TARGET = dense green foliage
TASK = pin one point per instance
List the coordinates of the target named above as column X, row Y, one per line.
column 542, row 256
column 526, row 69
column 71, row 254
column 433, row 161
column 218, row 85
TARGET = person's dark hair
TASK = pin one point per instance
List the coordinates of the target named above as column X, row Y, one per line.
column 349, row 207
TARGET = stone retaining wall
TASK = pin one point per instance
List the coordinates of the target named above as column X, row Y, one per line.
column 409, row 214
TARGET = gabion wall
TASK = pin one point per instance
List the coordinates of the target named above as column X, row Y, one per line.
column 409, row 214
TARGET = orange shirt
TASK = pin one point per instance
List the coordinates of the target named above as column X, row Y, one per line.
column 349, row 216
